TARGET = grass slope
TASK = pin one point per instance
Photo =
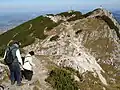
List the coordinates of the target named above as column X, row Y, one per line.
column 25, row 34
column 78, row 15
column 28, row 31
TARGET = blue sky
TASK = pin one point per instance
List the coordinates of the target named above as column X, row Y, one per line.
column 51, row 5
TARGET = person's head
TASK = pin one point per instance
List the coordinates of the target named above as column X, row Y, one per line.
column 16, row 42
column 31, row 53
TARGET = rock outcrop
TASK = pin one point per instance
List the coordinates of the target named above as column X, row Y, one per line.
column 86, row 44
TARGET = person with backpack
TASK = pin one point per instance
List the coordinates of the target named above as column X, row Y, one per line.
column 13, row 59
column 28, row 66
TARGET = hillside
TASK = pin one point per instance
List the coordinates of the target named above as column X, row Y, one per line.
column 28, row 31
column 73, row 51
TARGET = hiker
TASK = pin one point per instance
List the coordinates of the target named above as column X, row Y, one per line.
column 13, row 60
column 28, row 66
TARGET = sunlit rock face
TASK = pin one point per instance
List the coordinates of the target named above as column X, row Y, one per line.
column 89, row 44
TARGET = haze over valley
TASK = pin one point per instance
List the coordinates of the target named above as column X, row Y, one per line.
column 10, row 20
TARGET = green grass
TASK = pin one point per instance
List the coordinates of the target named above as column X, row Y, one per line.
column 78, row 15
column 2, row 50
column 66, row 14
column 111, row 25
column 25, row 35
column 89, row 13
column 5, row 76
column 112, row 76
column 61, row 79
column 106, row 19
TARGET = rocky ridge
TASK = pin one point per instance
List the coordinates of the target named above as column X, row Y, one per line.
column 90, row 46
column 85, row 45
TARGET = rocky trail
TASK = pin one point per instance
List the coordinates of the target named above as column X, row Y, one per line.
column 38, row 79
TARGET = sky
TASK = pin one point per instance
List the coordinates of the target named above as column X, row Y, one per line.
column 54, row 5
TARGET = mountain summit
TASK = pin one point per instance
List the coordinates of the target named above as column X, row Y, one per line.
column 77, row 51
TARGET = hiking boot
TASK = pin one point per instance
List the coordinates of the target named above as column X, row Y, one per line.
column 12, row 82
column 19, row 84
column 25, row 81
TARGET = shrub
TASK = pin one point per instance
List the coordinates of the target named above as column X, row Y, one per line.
column 2, row 50
column 111, row 24
column 24, row 34
column 54, row 38
column 61, row 80
column 89, row 13
column 78, row 15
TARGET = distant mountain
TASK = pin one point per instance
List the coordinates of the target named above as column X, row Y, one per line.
column 117, row 15
column 11, row 20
